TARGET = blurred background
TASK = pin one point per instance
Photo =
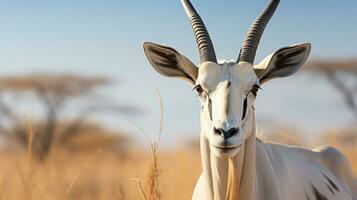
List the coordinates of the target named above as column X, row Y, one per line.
column 79, row 111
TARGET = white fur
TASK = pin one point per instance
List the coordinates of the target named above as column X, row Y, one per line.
column 238, row 166
column 255, row 170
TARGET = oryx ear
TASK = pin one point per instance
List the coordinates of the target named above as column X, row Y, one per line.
column 168, row 62
column 282, row 63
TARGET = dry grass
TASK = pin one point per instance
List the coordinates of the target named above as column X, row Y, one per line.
column 105, row 175
column 151, row 190
column 26, row 171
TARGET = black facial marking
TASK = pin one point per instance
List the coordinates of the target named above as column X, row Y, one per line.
column 331, row 183
column 245, row 104
column 318, row 195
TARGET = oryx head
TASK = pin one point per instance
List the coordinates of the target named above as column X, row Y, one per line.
column 227, row 90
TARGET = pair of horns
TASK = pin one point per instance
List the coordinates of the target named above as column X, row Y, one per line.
column 251, row 40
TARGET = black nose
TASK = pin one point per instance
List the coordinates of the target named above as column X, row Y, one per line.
column 226, row 134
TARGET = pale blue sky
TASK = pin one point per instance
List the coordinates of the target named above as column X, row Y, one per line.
column 105, row 37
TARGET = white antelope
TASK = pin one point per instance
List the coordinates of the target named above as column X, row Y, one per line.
column 235, row 164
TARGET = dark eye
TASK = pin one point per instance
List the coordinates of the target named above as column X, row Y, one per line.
column 245, row 104
column 199, row 89
column 255, row 89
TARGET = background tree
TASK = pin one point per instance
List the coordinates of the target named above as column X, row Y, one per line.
column 342, row 74
column 54, row 93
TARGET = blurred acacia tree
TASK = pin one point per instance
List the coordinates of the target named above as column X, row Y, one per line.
column 54, row 93
column 342, row 74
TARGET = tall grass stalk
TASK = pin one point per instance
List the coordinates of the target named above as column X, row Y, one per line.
column 151, row 190
column 79, row 172
column 27, row 173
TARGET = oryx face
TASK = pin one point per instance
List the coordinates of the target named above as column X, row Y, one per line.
column 227, row 90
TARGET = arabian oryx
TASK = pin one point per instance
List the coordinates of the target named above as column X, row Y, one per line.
column 235, row 164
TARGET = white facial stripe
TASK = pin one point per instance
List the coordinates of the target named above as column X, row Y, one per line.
column 226, row 85
column 220, row 102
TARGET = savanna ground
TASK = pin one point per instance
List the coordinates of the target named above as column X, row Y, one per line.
column 106, row 173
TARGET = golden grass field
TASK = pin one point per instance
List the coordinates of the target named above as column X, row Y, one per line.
column 97, row 175
column 105, row 174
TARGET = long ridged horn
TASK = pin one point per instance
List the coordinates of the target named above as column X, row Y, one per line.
column 251, row 40
column 204, row 42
